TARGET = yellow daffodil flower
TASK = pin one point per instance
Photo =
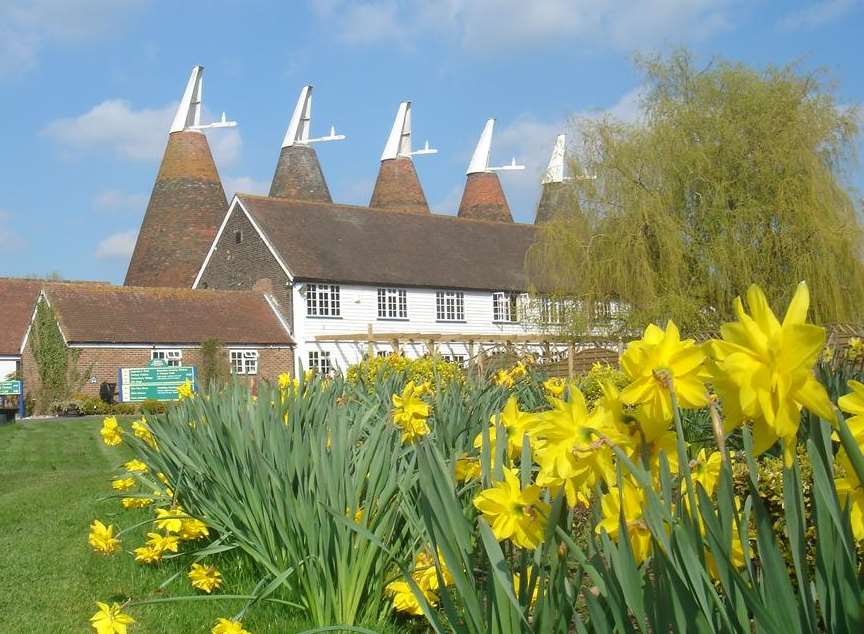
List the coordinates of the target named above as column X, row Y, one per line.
column 517, row 585
column 112, row 433
column 147, row 554
column 514, row 513
column 163, row 543
column 855, row 350
column 424, row 572
column 410, row 413
column 186, row 390
column 136, row 503
column 404, row 600
column 135, row 466
column 554, row 386
column 659, row 352
column 467, row 469
column 764, row 370
column 637, row 530
column 851, row 492
column 102, row 539
column 192, row 529
column 228, row 626
column 204, row 577
column 123, row 484
column 141, row 430
column 170, row 520
column 110, row 619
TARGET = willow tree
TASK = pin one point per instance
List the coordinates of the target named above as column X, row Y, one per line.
column 731, row 176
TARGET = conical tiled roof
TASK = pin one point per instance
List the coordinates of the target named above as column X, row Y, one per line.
column 483, row 198
column 554, row 198
column 398, row 188
column 185, row 209
column 298, row 175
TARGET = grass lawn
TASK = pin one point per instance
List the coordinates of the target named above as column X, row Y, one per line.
column 52, row 476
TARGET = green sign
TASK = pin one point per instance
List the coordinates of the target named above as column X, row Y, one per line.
column 155, row 382
column 10, row 388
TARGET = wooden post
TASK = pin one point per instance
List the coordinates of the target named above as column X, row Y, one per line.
column 571, row 353
column 370, row 343
column 471, row 360
column 480, row 362
column 395, row 345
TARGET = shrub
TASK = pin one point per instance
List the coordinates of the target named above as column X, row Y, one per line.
column 590, row 382
column 124, row 409
column 93, row 406
column 430, row 368
column 152, row 406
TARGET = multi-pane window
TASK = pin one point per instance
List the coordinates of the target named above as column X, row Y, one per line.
column 450, row 306
column 322, row 300
column 173, row 358
column 392, row 303
column 244, row 362
column 319, row 361
column 504, row 306
column 602, row 311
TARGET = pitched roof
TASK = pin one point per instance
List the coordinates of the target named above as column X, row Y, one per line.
column 17, row 300
column 347, row 244
column 91, row 313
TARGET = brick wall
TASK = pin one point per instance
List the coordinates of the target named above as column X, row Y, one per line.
column 241, row 266
column 104, row 363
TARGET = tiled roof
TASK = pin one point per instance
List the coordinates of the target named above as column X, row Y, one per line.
column 17, row 300
column 90, row 313
column 346, row 244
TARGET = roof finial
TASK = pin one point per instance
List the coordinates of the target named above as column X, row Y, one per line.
column 399, row 141
column 555, row 169
column 188, row 115
column 298, row 128
column 480, row 159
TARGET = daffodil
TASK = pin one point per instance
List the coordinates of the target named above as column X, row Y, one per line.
column 514, row 513
column 705, row 469
column 425, row 573
column 204, row 577
column 851, row 492
column 554, row 386
column 110, row 619
column 573, row 447
column 658, row 356
column 285, row 381
column 141, row 430
column 404, row 599
column 112, row 433
column 170, row 520
column 163, row 543
column 186, row 390
column 853, row 403
column 228, row 626
column 136, row 502
column 135, row 466
column 517, row 586
column 633, row 504
column 410, row 413
column 123, row 484
column 102, row 539
column 855, row 350
column 147, row 554
column 764, row 370
column 466, row 468
column 192, row 529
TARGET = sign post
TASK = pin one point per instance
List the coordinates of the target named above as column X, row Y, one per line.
column 14, row 388
column 155, row 382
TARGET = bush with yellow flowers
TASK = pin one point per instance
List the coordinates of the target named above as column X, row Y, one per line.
column 426, row 369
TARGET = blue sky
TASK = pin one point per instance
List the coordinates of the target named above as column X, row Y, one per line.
column 88, row 89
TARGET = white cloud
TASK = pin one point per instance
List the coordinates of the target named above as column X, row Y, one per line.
column 9, row 238
column 243, row 185
column 117, row 246
column 115, row 200
column 489, row 25
column 138, row 135
column 818, row 14
column 28, row 26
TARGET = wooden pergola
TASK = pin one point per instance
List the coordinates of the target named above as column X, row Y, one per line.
column 474, row 341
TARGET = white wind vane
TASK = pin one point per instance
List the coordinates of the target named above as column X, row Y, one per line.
column 480, row 159
column 399, row 141
column 188, row 115
column 298, row 127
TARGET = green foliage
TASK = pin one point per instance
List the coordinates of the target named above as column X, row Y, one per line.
column 590, row 382
column 215, row 368
column 57, row 365
column 732, row 176
column 152, row 406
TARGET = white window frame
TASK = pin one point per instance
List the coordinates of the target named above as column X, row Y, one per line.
column 450, row 306
column 244, row 361
column 505, row 307
column 172, row 357
column 323, row 300
column 552, row 310
column 392, row 303
column 321, row 361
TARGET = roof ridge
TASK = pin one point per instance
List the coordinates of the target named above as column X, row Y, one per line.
column 388, row 212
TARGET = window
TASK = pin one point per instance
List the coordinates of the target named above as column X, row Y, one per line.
column 392, row 303
column 322, row 300
column 602, row 311
column 319, row 361
column 504, row 306
column 551, row 311
column 173, row 358
column 244, row 362
column 450, row 306
column 238, row 237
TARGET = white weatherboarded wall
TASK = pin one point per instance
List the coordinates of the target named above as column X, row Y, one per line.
column 359, row 308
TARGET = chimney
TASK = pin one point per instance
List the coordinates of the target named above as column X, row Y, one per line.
column 187, row 203
column 397, row 187
column 556, row 192
column 298, row 173
column 483, row 197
